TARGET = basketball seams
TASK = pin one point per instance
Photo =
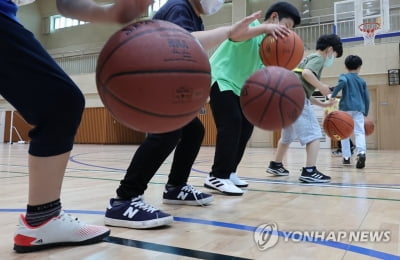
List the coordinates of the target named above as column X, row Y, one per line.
column 139, row 34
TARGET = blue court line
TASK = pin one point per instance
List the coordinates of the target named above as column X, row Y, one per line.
column 338, row 245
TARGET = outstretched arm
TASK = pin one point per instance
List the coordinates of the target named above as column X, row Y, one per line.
column 240, row 31
column 122, row 11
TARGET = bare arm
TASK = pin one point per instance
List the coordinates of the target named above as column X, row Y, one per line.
column 239, row 31
column 309, row 76
column 122, row 11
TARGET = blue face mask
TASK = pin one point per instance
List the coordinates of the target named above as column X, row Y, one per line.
column 329, row 61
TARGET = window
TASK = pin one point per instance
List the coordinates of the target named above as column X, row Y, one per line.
column 58, row 22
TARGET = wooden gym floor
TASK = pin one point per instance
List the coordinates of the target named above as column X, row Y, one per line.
column 356, row 202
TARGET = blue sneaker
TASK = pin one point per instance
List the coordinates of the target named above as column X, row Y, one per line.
column 135, row 213
column 187, row 195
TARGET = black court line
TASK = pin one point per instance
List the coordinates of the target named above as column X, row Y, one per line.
column 170, row 249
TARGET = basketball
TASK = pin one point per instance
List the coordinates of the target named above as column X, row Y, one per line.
column 338, row 125
column 285, row 52
column 153, row 76
column 272, row 98
column 369, row 126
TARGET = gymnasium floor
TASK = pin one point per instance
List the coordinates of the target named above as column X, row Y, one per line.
column 365, row 202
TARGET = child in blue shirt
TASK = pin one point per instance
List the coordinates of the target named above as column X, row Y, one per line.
column 355, row 101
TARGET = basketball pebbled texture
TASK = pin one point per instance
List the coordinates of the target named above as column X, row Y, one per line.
column 285, row 52
column 153, row 76
column 272, row 98
column 338, row 125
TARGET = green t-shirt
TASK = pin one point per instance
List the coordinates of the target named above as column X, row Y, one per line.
column 315, row 63
column 233, row 62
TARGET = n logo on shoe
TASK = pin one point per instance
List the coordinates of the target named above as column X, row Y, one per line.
column 182, row 195
column 130, row 212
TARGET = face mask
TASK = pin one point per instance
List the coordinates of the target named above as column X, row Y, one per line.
column 210, row 7
column 329, row 61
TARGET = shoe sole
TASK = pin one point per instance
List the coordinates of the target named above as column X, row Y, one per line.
column 360, row 162
column 276, row 173
column 139, row 224
column 27, row 249
column 241, row 185
column 310, row 180
column 224, row 192
column 201, row 202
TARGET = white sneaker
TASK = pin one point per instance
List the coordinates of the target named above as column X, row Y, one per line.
column 62, row 230
column 237, row 181
column 223, row 185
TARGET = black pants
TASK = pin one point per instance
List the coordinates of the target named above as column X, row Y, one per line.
column 233, row 132
column 153, row 152
column 39, row 89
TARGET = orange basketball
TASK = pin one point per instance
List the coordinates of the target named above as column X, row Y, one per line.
column 338, row 125
column 369, row 126
column 153, row 76
column 285, row 52
column 272, row 98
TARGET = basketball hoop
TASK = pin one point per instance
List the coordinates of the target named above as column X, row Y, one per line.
column 369, row 31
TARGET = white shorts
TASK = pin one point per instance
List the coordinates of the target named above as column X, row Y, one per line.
column 306, row 128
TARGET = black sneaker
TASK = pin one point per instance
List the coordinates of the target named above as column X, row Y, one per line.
column 135, row 213
column 314, row 177
column 361, row 160
column 346, row 161
column 352, row 148
column 187, row 195
column 277, row 169
column 337, row 153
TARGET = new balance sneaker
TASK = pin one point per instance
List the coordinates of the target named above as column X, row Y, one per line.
column 337, row 153
column 277, row 169
column 361, row 160
column 63, row 230
column 314, row 177
column 224, row 186
column 237, row 181
column 187, row 195
column 135, row 213
column 346, row 161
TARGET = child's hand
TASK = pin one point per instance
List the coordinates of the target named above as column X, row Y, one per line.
column 276, row 30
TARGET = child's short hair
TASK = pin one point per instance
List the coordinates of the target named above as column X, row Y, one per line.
column 284, row 10
column 353, row 62
column 330, row 40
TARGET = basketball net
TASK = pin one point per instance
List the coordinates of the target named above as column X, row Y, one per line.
column 369, row 31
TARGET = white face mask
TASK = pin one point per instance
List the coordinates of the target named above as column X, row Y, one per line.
column 210, row 7
column 329, row 61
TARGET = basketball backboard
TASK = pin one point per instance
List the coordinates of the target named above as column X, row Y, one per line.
column 350, row 14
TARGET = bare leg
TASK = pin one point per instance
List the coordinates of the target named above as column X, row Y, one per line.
column 281, row 151
column 312, row 149
column 45, row 178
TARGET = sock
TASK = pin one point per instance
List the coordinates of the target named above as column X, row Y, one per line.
column 310, row 169
column 38, row 214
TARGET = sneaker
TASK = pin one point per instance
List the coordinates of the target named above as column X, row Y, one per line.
column 337, row 153
column 225, row 186
column 237, row 181
column 277, row 169
column 135, row 213
column 346, row 161
column 63, row 230
column 314, row 177
column 361, row 160
column 187, row 195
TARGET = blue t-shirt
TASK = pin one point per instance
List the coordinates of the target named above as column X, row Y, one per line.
column 9, row 9
column 181, row 13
